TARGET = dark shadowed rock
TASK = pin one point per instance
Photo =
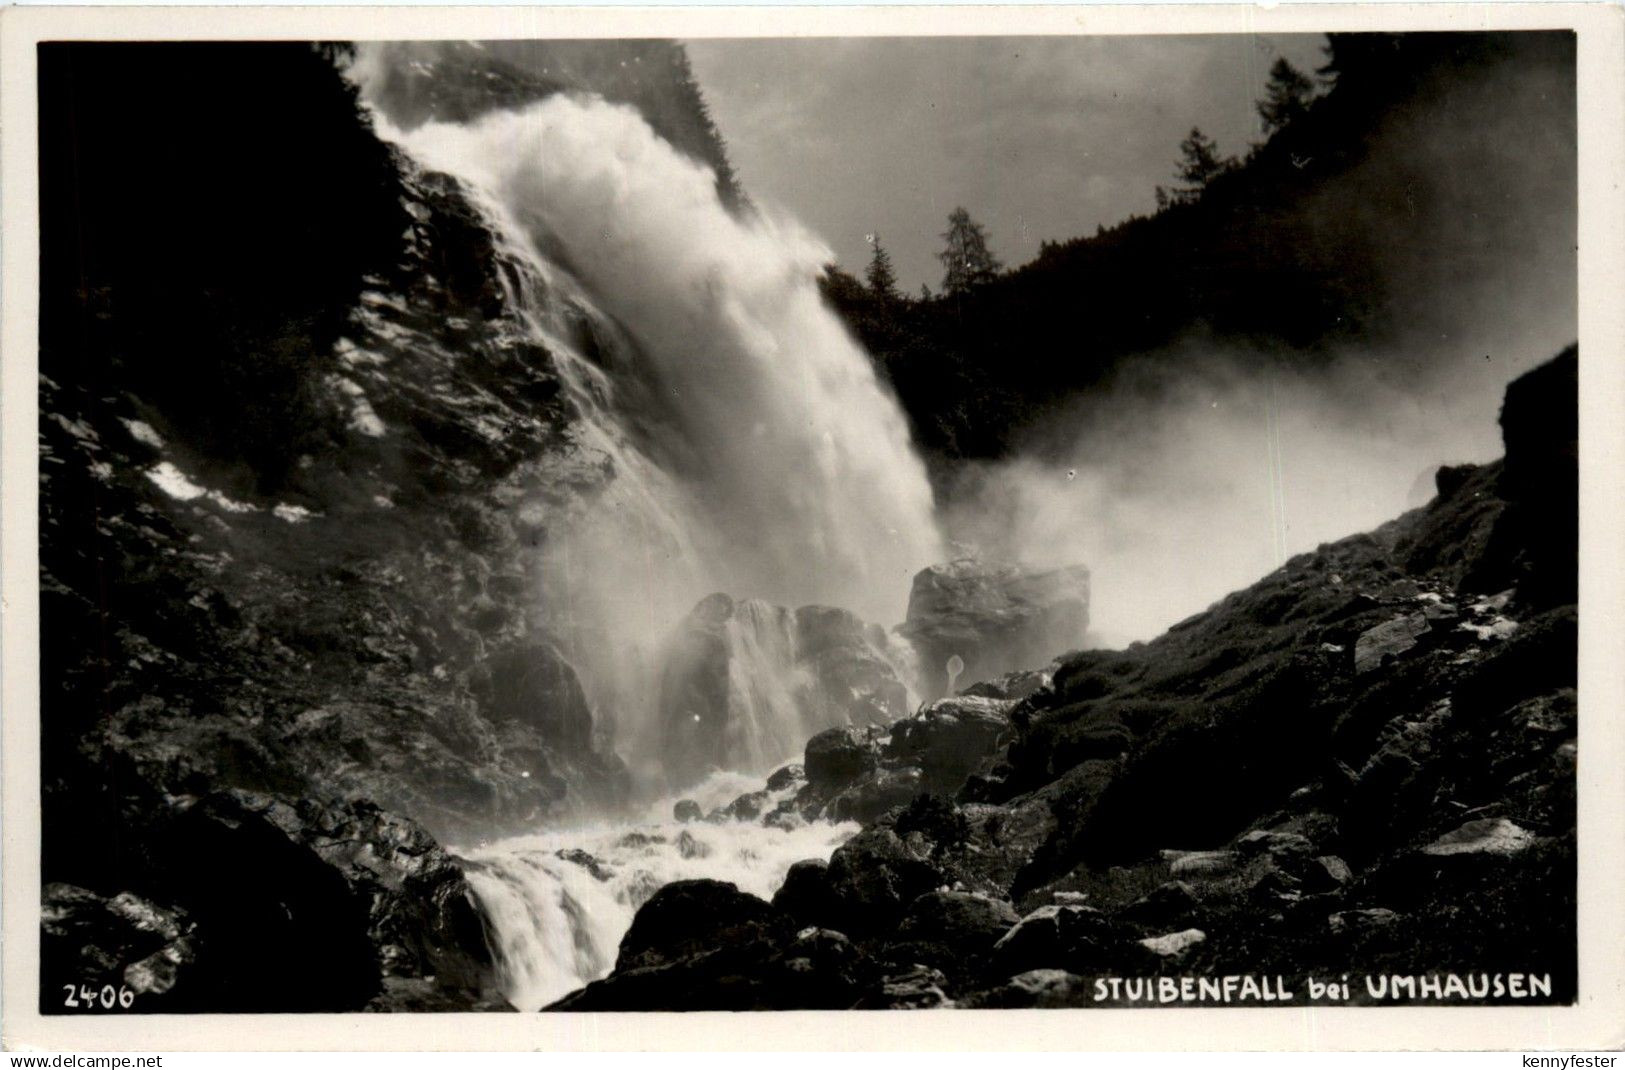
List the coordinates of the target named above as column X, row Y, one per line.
column 686, row 810
column 1071, row 937
column 534, row 685
column 949, row 738
column 966, row 920
column 691, row 918
column 834, row 669
column 785, row 777
column 915, row 988
column 838, row 756
column 875, row 793
column 125, row 941
column 995, row 618
column 873, row 878
column 1012, row 685
column 1167, row 904
column 586, row 861
column 748, row 807
column 1035, row 988
column 805, row 895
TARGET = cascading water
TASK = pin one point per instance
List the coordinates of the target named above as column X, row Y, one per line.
column 560, row 901
column 752, row 451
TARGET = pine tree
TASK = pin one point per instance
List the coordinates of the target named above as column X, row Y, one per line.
column 1286, row 96
column 967, row 259
column 1199, row 164
column 1199, row 159
column 880, row 276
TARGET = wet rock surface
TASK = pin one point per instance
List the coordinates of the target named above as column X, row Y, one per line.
column 829, row 668
column 996, row 619
column 287, row 632
column 1367, row 757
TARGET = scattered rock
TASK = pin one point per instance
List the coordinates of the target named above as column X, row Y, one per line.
column 784, row 820
column 1073, row 937
column 838, row 756
column 917, row 988
column 1199, row 863
column 785, row 777
column 126, row 941
column 968, row 921
column 805, row 894
column 1035, row 988
column 1012, row 686
column 689, row 847
column 686, row 810
column 949, row 738
column 748, row 807
column 1173, row 945
column 692, row 918
column 1377, row 645
column 873, row 878
column 585, row 861
column 877, row 792
column 1336, row 870
column 997, row 618
column 1492, row 836
column 1166, row 904
column 1351, row 920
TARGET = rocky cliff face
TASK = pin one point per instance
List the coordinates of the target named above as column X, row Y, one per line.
column 288, row 514
column 1364, row 760
column 972, row 621
column 744, row 683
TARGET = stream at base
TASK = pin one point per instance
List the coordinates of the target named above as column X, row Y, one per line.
column 558, row 902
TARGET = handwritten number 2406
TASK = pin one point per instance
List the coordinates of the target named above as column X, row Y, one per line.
column 87, row 998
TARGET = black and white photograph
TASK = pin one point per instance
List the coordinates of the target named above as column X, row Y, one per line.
column 660, row 523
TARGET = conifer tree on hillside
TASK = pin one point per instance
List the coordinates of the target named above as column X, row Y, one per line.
column 967, row 260
column 1286, row 96
column 1199, row 159
column 1199, row 164
column 880, row 276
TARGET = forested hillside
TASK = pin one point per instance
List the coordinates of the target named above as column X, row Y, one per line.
column 1404, row 168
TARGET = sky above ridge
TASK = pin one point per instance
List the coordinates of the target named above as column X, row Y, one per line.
column 1040, row 138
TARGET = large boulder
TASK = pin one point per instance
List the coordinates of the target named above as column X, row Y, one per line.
column 949, row 738
column 967, row 920
column 995, row 618
column 120, row 943
column 533, row 685
column 873, row 878
column 705, row 945
column 689, row 918
column 853, row 671
column 837, row 757
column 742, row 683
column 876, row 793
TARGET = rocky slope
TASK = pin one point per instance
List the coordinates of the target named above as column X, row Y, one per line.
column 1363, row 763
column 291, row 483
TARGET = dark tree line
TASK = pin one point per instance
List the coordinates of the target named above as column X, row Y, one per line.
column 1244, row 248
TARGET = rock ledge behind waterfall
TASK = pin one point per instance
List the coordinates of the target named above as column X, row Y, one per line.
column 996, row 618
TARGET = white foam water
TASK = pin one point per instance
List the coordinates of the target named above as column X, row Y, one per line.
column 753, row 450
column 558, row 919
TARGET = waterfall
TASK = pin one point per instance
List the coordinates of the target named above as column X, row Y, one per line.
column 749, row 448
column 560, row 901
column 753, row 449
